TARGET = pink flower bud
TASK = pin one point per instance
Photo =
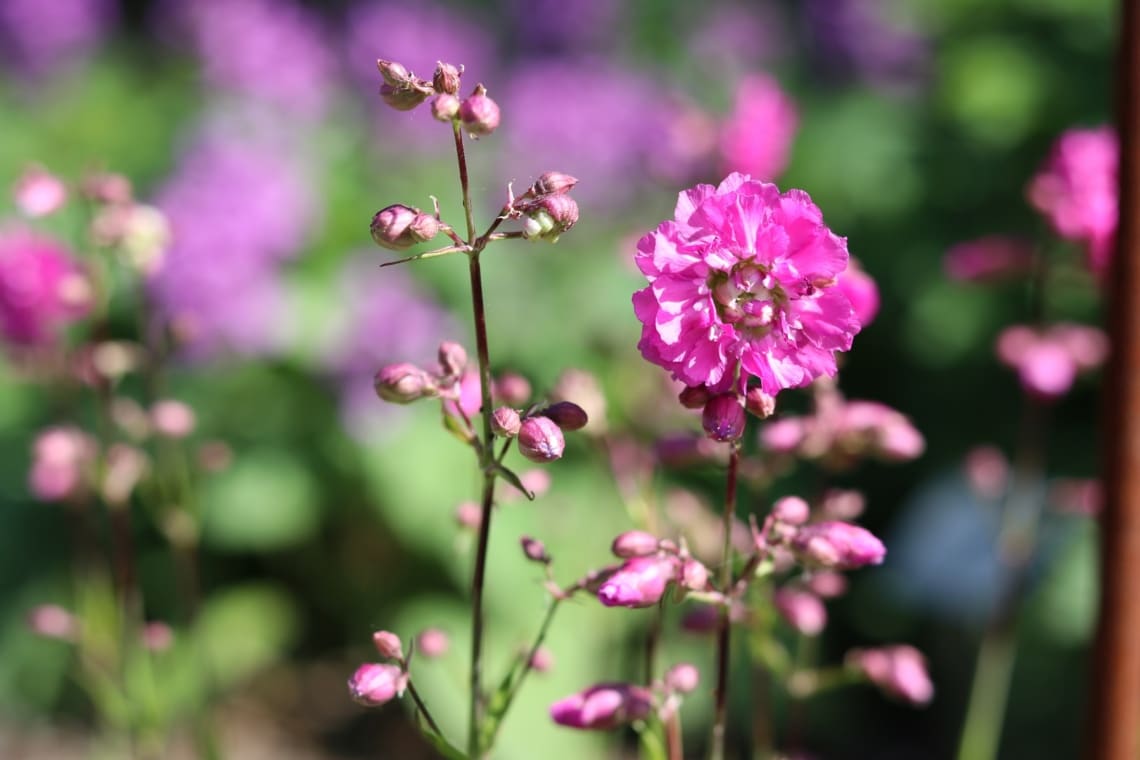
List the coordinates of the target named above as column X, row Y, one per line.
column 548, row 216
column 603, row 707
column 791, row 510
column 639, row 582
column 393, row 73
column 452, row 360
column 446, row 78
column 157, row 636
column 723, row 418
column 542, row 660
column 512, row 389
column 404, row 383
column 172, row 419
column 540, row 439
column 635, row 543
column 432, row 643
column 373, row 684
column 53, row 622
column 802, row 610
column 783, row 436
column 759, row 404
column 468, row 515
column 566, row 415
column 682, row 677
column 826, row 584
column 694, row 575
column 838, row 545
column 397, row 227
column 505, row 422
column 125, row 467
column 841, row 504
column 445, row 108
column 900, row 671
column 694, row 397
column 534, row 550
column 388, row 645
column 553, row 183
column 39, row 193
column 479, row 114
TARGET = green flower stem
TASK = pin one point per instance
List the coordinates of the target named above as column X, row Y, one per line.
column 723, row 644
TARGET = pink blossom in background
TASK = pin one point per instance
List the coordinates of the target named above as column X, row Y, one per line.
column 744, row 276
column 1077, row 190
column 38, row 192
column 1048, row 360
column 42, row 287
column 899, row 671
column 274, row 51
column 603, row 707
column 37, row 36
column 986, row 259
column 803, row 611
column 843, row 430
column 861, row 291
column 757, row 137
column 53, row 622
column 61, row 460
column 987, row 471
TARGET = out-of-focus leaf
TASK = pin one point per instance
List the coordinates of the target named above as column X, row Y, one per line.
column 244, row 629
column 266, row 501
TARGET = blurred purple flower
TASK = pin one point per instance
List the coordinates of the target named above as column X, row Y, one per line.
column 384, row 317
column 39, row 35
column 548, row 27
column 236, row 208
column 861, row 38
column 273, row 50
column 735, row 38
column 603, row 123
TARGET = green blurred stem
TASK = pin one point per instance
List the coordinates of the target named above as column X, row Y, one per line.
column 423, row 710
column 1017, row 544
column 723, row 643
column 486, row 456
column 521, row 670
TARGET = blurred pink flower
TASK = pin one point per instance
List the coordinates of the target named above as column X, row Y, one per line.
column 1048, row 360
column 757, row 137
column 38, row 192
column 603, row 706
column 899, row 671
column 990, row 258
column 61, row 457
column 804, row 611
column 41, row 287
column 432, row 642
column 744, row 276
column 1076, row 189
column 843, row 430
column 53, row 622
column 987, row 471
column 861, row 291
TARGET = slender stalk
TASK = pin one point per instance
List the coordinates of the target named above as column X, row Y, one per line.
column 486, row 458
column 673, row 736
column 723, row 643
column 423, row 709
column 1017, row 542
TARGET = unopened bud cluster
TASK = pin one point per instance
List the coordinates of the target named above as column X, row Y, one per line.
column 478, row 114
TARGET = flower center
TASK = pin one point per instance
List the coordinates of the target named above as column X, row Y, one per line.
column 748, row 297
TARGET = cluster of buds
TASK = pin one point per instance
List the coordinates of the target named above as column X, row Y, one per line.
column 404, row 91
column 842, row 431
column 650, row 565
column 546, row 208
column 375, row 683
column 138, row 233
column 606, row 706
column 539, row 434
column 723, row 414
column 824, row 545
column 899, row 671
column 398, row 227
